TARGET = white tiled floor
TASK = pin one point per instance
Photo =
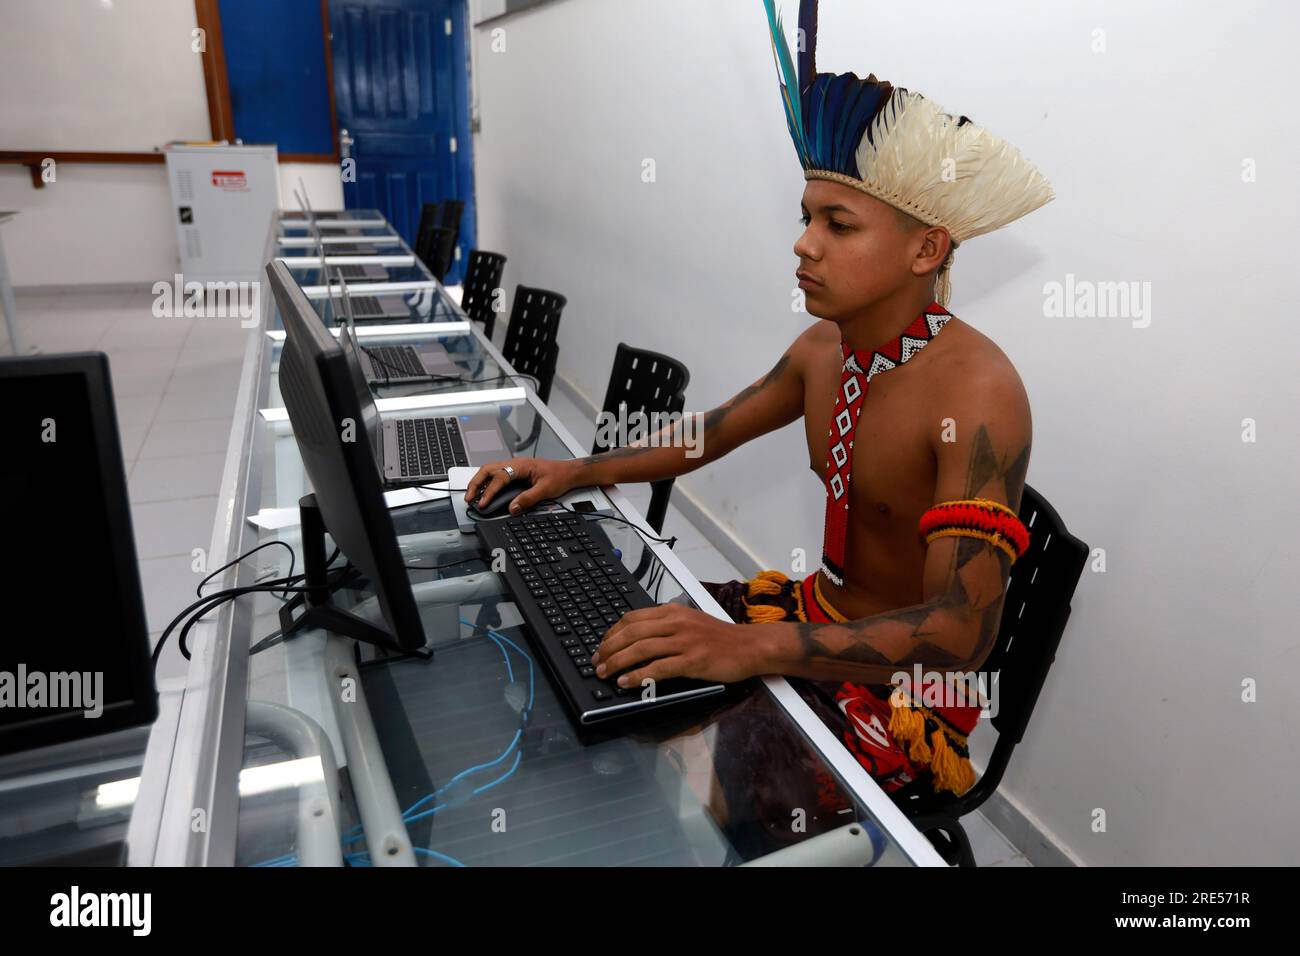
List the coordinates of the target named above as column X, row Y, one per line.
column 174, row 384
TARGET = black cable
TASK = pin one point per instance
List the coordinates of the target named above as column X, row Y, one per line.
column 449, row 564
column 597, row 516
column 217, row 598
column 497, row 378
column 284, row 586
column 409, row 378
column 247, row 554
column 221, row 597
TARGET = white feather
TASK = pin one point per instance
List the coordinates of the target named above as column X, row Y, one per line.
column 910, row 145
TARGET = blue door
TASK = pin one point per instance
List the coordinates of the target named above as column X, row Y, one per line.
column 401, row 80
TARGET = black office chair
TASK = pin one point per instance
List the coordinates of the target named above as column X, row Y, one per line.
column 531, row 340
column 652, row 383
column 452, row 212
column 437, row 253
column 430, row 218
column 482, row 279
column 1034, row 614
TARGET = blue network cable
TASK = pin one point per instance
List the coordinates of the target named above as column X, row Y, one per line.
column 411, row 814
column 438, row 856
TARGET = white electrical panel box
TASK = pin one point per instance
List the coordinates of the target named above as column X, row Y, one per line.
column 223, row 198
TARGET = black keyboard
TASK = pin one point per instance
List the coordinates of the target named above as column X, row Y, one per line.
column 395, row 362
column 569, row 586
column 428, row 447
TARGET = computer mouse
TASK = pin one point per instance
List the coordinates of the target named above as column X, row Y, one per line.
column 499, row 506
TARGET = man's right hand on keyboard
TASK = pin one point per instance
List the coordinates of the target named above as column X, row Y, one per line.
column 549, row 479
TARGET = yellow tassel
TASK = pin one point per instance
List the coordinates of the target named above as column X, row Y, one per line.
column 908, row 728
column 951, row 772
column 763, row 613
column 767, row 582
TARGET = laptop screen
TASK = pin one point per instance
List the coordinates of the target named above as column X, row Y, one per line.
column 365, row 398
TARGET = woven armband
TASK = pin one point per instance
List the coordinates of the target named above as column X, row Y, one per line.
column 977, row 518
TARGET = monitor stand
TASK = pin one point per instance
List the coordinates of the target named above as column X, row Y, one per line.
column 318, row 611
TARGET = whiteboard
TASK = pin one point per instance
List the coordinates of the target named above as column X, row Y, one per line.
column 99, row 75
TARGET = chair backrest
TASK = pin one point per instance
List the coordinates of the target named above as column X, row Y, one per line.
column 439, row 252
column 644, row 381
column 1034, row 614
column 531, row 340
column 482, row 279
column 430, row 215
column 453, row 211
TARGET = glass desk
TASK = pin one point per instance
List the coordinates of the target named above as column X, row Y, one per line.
column 315, row 750
column 334, row 218
column 71, row 805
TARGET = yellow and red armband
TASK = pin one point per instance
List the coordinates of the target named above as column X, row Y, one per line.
column 977, row 518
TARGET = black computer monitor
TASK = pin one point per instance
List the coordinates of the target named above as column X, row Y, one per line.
column 75, row 640
column 336, row 425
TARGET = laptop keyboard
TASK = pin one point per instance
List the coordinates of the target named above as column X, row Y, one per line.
column 429, row 447
column 367, row 307
column 395, row 361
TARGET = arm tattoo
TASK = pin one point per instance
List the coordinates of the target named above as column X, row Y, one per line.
column 716, row 417
column 986, row 469
column 872, row 648
column 712, row 419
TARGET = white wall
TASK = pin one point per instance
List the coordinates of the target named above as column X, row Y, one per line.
column 89, row 76
column 99, row 75
column 1138, row 431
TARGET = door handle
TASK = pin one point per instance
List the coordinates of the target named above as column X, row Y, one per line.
column 345, row 144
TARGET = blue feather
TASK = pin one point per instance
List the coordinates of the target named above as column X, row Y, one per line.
column 827, row 114
column 808, row 55
column 789, row 80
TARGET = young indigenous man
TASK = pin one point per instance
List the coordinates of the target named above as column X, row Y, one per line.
column 917, row 424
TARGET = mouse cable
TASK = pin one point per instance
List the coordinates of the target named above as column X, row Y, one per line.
column 597, row 516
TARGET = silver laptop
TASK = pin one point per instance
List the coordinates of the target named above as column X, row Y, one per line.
column 372, row 308
column 361, row 272
column 410, row 451
column 395, row 364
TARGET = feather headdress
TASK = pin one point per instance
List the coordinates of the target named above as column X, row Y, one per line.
column 900, row 147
